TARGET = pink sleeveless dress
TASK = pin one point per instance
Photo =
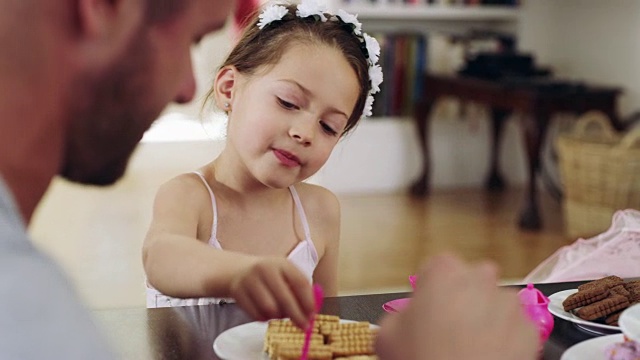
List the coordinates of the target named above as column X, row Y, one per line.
column 304, row 256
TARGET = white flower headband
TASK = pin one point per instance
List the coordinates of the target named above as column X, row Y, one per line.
column 313, row 8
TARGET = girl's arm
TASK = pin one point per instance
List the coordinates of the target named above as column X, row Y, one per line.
column 180, row 265
column 175, row 261
column 323, row 212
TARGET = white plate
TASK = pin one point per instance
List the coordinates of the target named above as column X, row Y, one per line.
column 245, row 342
column 630, row 322
column 556, row 308
column 592, row 349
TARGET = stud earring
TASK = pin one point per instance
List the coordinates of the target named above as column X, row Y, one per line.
column 226, row 105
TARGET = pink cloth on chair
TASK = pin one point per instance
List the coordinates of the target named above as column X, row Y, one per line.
column 614, row 252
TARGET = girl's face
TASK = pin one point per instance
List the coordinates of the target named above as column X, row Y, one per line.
column 286, row 120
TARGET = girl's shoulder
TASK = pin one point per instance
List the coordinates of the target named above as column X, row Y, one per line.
column 184, row 188
column 322, row 210
column 181, row 206
column 317, row 200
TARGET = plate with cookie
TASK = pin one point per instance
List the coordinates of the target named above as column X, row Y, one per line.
column 332, row 338
column 596, row 306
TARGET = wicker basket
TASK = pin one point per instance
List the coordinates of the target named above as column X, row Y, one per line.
column 600, row 171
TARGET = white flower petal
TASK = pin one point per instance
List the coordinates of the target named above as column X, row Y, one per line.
column 373, row 48
column 368, row 107
column 375, row 75
column 308, row 8
column 350, row 19
column 311, row 7
column 271, row 13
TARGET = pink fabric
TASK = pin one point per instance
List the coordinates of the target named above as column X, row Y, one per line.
column 614, row 252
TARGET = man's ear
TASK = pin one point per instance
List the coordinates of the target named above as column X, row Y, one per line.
column 225, row 85
column 108, row 25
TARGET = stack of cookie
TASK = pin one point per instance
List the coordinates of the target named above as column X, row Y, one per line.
column 603, row 300
column 330, row 340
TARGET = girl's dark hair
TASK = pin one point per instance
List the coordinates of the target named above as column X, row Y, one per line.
column 260, row 47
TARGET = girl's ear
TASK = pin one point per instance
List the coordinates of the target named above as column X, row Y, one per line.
column 225, row 84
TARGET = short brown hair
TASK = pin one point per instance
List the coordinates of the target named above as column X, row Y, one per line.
column 258, row 47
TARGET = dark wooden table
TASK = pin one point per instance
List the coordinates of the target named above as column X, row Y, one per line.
column 538, row 99
column 189, row 332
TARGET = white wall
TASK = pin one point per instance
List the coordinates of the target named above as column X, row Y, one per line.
column 593, row 40
column 383, row 156
column 378, row 156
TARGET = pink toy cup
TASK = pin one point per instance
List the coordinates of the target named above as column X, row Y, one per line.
column 535, row 305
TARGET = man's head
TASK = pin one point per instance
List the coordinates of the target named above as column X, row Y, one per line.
column 128, row 76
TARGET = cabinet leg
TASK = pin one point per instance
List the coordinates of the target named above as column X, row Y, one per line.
column 421, row 117
column 495, row 181
column 530, row 217
column 535, row 128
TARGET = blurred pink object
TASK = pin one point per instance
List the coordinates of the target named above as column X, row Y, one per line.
column 412, row 280
column 536, row 306
column 396, row 305
column 614, row 252
column 318, row 294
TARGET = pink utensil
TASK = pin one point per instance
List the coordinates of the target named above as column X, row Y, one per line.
column 396, row 305
column 536, row 306
column 318, row 294
column 412, row 280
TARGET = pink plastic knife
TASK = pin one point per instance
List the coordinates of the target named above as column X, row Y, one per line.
column 318, row 295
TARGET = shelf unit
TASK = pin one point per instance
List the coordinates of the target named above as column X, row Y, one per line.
column 450, row 19
column 385, row 17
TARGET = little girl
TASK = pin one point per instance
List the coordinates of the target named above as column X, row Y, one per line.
column 246, row 226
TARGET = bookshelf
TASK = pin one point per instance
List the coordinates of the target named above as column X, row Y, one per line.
column 450, row 19
column 403, row 60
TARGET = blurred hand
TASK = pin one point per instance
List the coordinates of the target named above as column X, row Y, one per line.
column 458, row 312
column 274, row 288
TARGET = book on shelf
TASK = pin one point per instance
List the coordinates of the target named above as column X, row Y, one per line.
column 403, row 60
column 456, row 3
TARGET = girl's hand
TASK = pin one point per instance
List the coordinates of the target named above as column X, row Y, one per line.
column 458, row 312
column 274, row 288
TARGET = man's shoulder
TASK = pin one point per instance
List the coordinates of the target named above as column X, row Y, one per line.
column 11, row 223
column 41, row 315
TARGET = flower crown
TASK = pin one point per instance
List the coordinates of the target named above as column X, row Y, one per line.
column 368, row 44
